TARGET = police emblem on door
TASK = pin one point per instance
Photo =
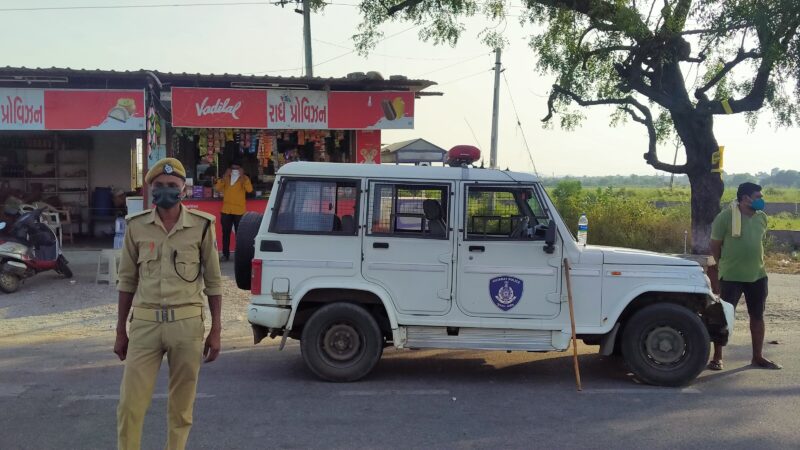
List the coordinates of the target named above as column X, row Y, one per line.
column 505, row 291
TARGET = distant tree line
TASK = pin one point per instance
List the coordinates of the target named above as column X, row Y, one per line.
column 776, row 178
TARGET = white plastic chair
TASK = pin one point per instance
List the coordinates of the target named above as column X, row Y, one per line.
column 53, row 220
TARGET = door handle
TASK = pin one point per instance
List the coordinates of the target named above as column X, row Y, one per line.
column 380, row 245
column 477, row 248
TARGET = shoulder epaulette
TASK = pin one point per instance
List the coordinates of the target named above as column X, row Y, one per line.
column 202, row 214
column 130, row 217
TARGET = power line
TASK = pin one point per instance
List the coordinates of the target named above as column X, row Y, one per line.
column 465, row 77
column 455, row 64
column 352, row 50
column 519, row 124
column 155, row 5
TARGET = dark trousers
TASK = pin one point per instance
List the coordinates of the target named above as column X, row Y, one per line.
column 227, row 221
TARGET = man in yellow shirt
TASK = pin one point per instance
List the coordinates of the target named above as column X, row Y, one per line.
column 169, row 266
column 233, row 186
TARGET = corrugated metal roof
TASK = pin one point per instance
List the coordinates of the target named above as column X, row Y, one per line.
column 92, row 76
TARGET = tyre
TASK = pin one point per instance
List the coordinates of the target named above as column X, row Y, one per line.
column 341, row 342
column 9, row 283
column 245, row 248
column 62, row 267
column 666, row 345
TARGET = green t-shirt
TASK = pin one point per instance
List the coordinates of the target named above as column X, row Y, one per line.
column 742, row 257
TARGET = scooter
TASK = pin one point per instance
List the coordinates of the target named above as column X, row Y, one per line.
column 31, row 247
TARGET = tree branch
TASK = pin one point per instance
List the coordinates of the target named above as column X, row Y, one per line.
column 741, row 55
column 609, row 49
column 626, row 103
column 405, row 4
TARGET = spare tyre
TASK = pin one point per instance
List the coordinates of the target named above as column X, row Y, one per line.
column 245, row 248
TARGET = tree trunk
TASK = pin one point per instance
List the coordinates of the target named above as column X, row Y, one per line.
column 707, row 188
column 697, row 134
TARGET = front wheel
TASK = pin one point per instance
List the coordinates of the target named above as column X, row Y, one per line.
column 9, row 283
column 666, row 345
column 341, row 342
column 62, row 267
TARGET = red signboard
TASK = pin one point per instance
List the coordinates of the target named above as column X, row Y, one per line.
column 219, row 108
column 291, row 110
column 71, row 109
column 94, row 110
column 370, row 110
column 368, row 146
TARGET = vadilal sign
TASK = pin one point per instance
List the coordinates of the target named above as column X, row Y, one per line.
column 71, row 109
column 291, row 109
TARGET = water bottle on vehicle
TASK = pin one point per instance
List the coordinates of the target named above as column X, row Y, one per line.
column 583, row 229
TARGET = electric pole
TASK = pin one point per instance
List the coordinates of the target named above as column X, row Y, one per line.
column 307, row 37
column 495, row 109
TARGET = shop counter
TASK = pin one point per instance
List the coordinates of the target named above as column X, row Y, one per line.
column 213, row 206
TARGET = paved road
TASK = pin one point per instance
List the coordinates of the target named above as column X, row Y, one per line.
column 58, row 390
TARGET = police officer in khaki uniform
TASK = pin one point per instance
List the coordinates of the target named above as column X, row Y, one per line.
column 169, row 265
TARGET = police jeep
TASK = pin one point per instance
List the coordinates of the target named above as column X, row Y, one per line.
column 350, row 259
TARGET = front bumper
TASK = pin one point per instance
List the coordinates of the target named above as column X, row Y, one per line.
column 720, row 319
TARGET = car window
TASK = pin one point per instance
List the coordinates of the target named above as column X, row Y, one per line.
column 409, row 210
column 502, row 213
column 317, row 206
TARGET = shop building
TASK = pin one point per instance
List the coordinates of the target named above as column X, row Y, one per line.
column 67, row 137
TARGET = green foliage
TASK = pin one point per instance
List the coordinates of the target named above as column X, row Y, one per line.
column 630, row 217
column 617, row 217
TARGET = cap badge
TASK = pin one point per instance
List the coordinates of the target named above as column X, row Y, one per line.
column 168, row 169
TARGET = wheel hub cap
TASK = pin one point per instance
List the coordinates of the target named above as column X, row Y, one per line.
column 341, row 342
column 665, row 345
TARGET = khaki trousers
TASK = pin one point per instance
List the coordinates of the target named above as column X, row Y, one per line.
column 182, row 341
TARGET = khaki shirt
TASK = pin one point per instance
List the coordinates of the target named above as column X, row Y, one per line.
column 152, row 260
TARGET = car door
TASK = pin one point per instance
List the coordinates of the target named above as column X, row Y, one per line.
column 503, row 269
column 408, row 247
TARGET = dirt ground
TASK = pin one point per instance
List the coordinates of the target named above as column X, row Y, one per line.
column 50, row 308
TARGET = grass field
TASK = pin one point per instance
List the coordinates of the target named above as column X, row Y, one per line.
column 683, row 194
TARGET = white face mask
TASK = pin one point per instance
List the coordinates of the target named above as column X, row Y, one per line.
column 234, row 176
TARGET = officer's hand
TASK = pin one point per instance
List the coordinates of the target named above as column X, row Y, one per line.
column 121, row 346
column 213, row 346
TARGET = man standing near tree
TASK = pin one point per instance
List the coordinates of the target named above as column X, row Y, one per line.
column 737, row 244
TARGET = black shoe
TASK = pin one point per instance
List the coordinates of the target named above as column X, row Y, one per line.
column 226, row 257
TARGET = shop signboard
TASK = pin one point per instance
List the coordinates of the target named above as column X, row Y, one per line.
column 101, row 110
column 376, row 110
column 71, row 109
column 368, row 146
column 297, row 110
column 219, row 108
column 21, row 109
column 281, row 109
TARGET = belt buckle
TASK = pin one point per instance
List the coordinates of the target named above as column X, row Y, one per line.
column 165, row 315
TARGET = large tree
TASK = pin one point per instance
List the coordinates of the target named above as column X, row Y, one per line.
column 670, row 65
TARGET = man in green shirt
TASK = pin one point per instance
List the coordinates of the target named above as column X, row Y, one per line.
column 737, row 244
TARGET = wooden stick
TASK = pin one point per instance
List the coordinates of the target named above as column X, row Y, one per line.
column 572, row 320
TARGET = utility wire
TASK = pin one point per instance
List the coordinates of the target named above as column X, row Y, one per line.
column 456, row 64
column 157, row 5
column 465, row 77
column 519, row 124
column 178, row 5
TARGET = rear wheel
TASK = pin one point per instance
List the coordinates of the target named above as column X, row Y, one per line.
column 666, row 345
column 62, row 267
column 9, row 283
column 341, row 342
column 245, row 248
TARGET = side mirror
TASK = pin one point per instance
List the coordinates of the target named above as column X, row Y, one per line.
column 550, row 238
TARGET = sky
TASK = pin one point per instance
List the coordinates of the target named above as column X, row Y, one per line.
column 267, row 39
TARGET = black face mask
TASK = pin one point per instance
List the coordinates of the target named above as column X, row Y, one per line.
column 166, row 197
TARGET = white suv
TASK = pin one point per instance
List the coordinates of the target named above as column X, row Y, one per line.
column 353, row 258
